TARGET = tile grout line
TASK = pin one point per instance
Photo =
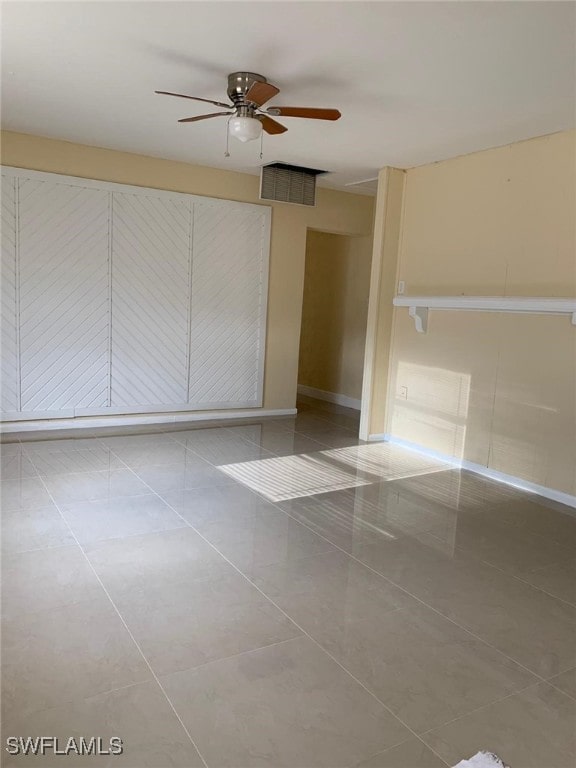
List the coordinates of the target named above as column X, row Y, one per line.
column 155, row 677
column 60, row 705
column 570, row 696
column 490, row 704
column 418, row 599
column 353, row 557
column 266, row 597
column 532, row 684
column 529, row 584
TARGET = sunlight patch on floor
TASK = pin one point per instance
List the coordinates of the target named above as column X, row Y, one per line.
column 308, row 474
column 384, row 461
column 290, row 477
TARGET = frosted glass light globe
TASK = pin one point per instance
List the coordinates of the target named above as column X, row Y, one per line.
column 245, row 128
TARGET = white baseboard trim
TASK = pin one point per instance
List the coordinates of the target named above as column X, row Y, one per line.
column 480, row 469
column 93, row 422
column 330, row 397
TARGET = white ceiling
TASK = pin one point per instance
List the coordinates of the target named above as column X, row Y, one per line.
column 415, row 81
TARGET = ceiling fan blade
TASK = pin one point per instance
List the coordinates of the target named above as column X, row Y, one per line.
column 195, row 98
column 314, row 113
column 259, row 93
column 271, row 126
column 203, row 117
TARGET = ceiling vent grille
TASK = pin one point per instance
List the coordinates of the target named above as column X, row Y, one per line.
column 289, row 184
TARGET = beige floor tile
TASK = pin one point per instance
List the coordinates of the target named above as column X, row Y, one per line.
column 257, row 431
column 400, row 512
column 202, row 621
column 252, row 689
column 423, row 667
column 532, row 729
column 349, row 419
column 539, row 516
column 267, row 537
column 16, row 465
column 203, row 505
column 10, row 446
column 24, row 530
column 140, row 715
column 157, row 452
column 385, row 461
column 93, row 521
column 327, row 433
column 558, row 579
column 47, row 579
column 457, row 489
column 189, row 473
column 566, row 682
column 95, row 486
column 516, row 551
column 197, row 436
column 286, row 705
column 225, row 449
column 288, row 477
column 23, row 493
column 93, row 459
column 329, row 591
column 493, row 605
column 160, row 566
column 344, row 518
column 307, row 419
column 142, row 437
column 410, row 754
column 57, row 441
column 56, row 656
column 284, row 443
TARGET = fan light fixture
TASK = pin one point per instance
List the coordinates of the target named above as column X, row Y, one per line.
column 245, row 128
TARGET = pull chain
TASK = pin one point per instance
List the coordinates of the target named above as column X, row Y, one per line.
column 261, row 144
column 227, row 153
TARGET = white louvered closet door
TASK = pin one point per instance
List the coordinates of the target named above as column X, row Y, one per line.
column 10, row 385
column 64, row 323
column 150, row 299
column 121, row 300
column 229, row 292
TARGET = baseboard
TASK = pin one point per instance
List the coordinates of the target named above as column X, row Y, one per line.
column 330, row 397
column 480, row 469
column 93, row 422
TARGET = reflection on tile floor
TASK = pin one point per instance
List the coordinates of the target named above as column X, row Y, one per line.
column 280, row 594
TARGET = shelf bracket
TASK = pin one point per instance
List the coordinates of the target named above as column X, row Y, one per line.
column 420, row 315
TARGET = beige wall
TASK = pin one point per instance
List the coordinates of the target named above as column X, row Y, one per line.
column 496, row 389
column 336, row 286
column 337, row 212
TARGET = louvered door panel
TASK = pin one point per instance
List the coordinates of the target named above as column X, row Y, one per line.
column 64, row 302
column 9, row 331
column 150, row 300
column 228, row 305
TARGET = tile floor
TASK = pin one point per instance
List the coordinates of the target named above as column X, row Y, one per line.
column 279, row 594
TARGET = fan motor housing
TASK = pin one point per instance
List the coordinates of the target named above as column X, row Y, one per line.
column 239, row 84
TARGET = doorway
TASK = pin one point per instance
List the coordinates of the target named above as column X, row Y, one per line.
column 334, row 314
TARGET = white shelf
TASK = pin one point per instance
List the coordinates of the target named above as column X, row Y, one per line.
column 418, row 306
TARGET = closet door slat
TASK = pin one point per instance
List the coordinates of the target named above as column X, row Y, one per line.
column 150, row 300
column 64, row 303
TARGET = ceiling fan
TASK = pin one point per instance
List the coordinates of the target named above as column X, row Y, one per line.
column 248, row 91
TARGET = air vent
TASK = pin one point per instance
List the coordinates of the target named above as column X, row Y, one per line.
column 289, row 183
